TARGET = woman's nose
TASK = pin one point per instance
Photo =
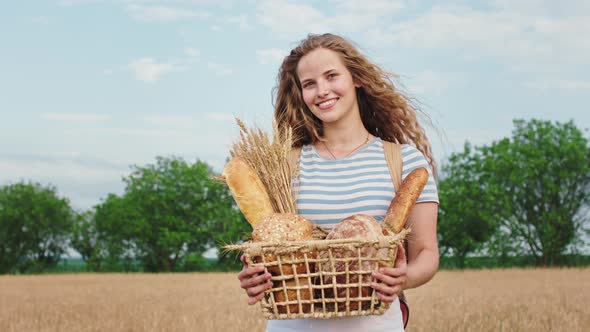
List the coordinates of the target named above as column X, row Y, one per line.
column 323, row 89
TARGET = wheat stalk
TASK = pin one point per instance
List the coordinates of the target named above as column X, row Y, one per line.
column 270, row 161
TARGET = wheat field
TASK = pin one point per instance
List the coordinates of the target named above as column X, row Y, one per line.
column 483, row 300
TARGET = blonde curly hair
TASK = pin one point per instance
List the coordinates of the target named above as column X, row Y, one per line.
column 386, row 112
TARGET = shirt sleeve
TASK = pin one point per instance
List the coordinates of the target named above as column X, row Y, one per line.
column 412, row 158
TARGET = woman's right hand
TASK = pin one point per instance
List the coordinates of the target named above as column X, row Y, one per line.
column 254, row 281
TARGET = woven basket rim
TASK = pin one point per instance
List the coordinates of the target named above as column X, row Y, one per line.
column 385, row 239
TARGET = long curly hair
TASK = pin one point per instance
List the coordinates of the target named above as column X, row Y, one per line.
column 385, row 111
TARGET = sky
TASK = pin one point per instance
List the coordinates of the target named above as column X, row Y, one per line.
column 89, row 88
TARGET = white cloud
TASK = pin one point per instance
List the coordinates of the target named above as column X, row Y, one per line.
column 215, row 28
column 371, row 7
column 163, row 14
column 559, row 84
column 82, row 180
column 506, row 35
column 220, row 69
column 148, row 70
column 75, row 117
column 192, row 52
column 59, row 168
column 180, row 122
column 271, row 55
column 220, row 116
column 285, row 18
column 431, row 82
column 42, row 20
column 174, row 121
column 241, row 21
column 77, row 2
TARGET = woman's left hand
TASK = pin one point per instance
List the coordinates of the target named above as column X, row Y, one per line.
column 393, row 279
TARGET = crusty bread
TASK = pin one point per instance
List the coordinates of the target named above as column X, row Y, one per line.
column 247, row 190
column 358, row 226
column 281, row 227
column 278, row 227
column 404, row 200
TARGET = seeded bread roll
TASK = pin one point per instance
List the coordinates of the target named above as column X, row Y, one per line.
column 247, row 190
column 278, row 227
column 281, row 227
column 405, row 199
column 358, row 226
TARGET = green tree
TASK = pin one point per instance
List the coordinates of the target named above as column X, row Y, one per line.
column 465, row 224
column 539, row 181
column 34, row 227
column 181, row 212
column 86, row 240
column 118, row 225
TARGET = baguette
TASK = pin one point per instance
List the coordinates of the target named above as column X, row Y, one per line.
column 404, row 200
column 247, row 190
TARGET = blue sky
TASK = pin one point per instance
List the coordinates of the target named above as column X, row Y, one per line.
column 90, row 87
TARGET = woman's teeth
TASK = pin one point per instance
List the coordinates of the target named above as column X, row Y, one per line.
column 327, row 103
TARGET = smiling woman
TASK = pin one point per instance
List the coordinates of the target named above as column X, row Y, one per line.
column 342, row 109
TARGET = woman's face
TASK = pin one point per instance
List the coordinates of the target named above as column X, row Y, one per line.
column 327, row 86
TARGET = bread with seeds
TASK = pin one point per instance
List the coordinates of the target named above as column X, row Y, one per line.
column 281, row 227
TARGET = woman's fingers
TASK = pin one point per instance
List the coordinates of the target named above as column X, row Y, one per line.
column 386, row 298
column 253, row 300
column 257, row 291
column 255, row 280
column 386, row 289
column 249, row 271
column 384, row 278
column 390, row 276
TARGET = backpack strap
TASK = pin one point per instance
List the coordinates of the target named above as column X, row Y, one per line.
column 393, row 157
column 294, row 159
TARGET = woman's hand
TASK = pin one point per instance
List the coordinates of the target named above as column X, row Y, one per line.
column 393, row 279
column 254, row 281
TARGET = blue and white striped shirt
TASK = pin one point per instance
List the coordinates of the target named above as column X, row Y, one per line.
column 330, row 190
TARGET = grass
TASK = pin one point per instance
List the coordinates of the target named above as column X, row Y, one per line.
column 475, row 300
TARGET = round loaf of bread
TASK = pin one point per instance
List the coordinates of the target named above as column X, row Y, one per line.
column 358, row 226
column 279, row 227
column 293, row 272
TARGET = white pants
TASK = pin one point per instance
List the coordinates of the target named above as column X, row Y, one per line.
column 390, row 321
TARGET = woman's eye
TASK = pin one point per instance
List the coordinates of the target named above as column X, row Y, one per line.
column 308, row 84
column 332, row 75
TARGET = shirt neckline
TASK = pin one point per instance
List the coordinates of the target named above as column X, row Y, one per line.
column 319, row 155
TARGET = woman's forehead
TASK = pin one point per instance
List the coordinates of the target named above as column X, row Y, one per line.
column 317, row 62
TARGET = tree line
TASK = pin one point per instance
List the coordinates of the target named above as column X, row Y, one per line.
column 524, row 195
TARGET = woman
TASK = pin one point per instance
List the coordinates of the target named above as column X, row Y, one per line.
column 342, row 107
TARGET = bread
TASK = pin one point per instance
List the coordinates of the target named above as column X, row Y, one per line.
column 358, row 226
column 281, row 227
column 404, row 200
column 247, row 190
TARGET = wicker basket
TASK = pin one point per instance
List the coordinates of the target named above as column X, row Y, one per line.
column 322, row 278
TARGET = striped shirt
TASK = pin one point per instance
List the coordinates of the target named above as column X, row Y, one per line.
column 330, row 190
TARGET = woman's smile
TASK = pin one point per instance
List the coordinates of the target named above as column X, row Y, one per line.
column 327, row 104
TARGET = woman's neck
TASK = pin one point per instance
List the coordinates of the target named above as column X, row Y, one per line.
column 340, row 140
column 345, row 136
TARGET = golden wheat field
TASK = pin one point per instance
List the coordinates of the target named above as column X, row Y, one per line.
column 484, row 300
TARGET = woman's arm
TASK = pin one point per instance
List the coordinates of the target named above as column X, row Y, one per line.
column 422, row 252
column 422, row 255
